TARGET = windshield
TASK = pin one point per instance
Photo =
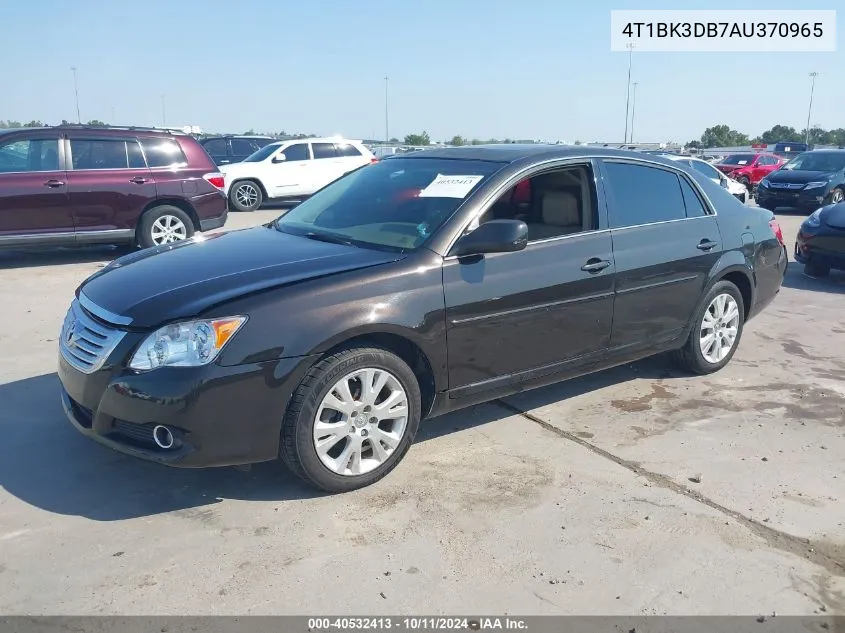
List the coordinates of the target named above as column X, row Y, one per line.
column 263, row 153
column 739, row 159
column 817, row 161
column 396, row 204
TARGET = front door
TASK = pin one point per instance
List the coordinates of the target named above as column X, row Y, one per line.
column 665, row 242
column 33, row 191
column 288, row 176
column 109, row 185
column 510, row 313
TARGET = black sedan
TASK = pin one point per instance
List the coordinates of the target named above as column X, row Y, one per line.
column 806, row 182
column 820, row 245
column 404, row 290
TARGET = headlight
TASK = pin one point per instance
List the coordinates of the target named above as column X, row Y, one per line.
column 815, row 219
column 186, row 344
column 815, row 185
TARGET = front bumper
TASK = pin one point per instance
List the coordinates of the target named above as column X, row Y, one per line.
column 219, row 415
column 801, row 199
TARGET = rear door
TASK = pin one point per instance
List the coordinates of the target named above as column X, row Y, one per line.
column 33, row 190
column 329, row 165
column 109, row 185
column 665, row 242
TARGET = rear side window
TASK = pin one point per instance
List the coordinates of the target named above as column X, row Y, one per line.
column 323, row 150
column 693, row 204
column 643, row 195
column 163, row 152
column 29, row 155
column 98, row 153
column 242, row 146
column 347, row 150
column 216, row 147
column 296, row 152
column 135, row 155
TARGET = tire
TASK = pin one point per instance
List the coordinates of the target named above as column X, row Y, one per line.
column 345, row 435
column 835, row 196
column 691, row 357
column 816, row 270
column 164, row 224
column 744, row 182
column 246, row 195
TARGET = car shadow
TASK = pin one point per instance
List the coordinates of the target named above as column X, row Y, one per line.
column 795, row 278
column 61, row 256
column 47, row 464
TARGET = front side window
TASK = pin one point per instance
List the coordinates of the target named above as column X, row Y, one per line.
column 553, row 203
column 707, row 170
column 263, row 154
column 98, row 154
column 643, row 195
column 163, row 152
column 397, row 204
column 29, row 155
column 296, row 152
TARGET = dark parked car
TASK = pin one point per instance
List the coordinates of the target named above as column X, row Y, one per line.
column 233, row 149
column 821, row 241
column 406, row 289
column 806, row 182
column 84, row 185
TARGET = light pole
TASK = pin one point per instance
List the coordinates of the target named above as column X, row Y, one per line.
column 386, row 130
column 630, row 48
column 634, row 110
column 810, row 109
column 76, row 92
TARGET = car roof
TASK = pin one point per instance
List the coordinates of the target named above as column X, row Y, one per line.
column 513, row 152
column 98, row 129
column 213, row 136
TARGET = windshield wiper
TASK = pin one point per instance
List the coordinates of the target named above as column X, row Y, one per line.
column 332, row 239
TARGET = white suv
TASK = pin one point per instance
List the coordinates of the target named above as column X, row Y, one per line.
column 291, row 170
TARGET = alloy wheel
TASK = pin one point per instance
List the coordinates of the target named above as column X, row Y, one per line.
column 168, row 229
column 836, row 196
column 719, row 328
column 247, row 195
column 361, row 421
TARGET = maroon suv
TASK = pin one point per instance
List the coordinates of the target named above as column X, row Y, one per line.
column 84, row 185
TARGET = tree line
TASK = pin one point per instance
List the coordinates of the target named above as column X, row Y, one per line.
column 724, row 136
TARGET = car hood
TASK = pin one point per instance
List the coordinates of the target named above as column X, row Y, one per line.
column 798, row 177
column 182, row 280
column 834, row 215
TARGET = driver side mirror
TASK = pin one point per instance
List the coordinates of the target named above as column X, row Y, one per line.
column 495, row 236
column 279, row 158
column 724, row 182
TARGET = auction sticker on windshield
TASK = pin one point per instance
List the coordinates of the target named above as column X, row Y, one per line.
column 450, row 186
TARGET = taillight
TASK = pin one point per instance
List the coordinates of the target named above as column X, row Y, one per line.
column 773, row 224
column 216, row 179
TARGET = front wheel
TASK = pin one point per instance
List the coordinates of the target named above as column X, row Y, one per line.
column 246, row 195
column 835, row 197
column 716, row 330
column 745, row 182
column 351, row 420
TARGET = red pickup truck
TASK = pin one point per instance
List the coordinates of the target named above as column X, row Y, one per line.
column 749, row 169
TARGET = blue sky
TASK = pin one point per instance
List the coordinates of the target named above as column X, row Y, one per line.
column 479, row 68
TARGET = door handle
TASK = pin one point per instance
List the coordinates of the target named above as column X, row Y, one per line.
column 54, row 183
column 595, row 265
column 138, row 180
column 706, row 245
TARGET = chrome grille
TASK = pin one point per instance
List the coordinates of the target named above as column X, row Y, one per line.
column 84, row 342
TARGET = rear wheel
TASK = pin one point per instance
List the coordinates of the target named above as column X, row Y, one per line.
column 246, row 195
column 164, row 224
column 816, row 270
column 716, row 330
column 351, row 420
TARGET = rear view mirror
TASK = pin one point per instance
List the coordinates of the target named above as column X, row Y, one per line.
column 495, row 236
column 279, row 158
